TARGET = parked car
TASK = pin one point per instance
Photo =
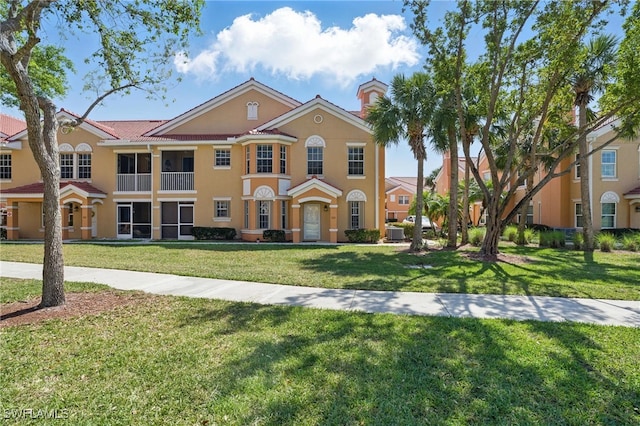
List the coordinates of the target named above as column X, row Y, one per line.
column 426, row 223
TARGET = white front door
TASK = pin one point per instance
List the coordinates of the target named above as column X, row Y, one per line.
column 311, row 222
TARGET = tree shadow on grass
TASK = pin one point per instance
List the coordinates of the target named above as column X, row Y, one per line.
column 292, row 366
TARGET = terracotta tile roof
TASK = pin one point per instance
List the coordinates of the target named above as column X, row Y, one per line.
column 635, row 191
column 9, row 126
column 38, row 188
column 96, row 124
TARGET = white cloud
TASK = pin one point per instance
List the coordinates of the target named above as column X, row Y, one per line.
column 294, row 44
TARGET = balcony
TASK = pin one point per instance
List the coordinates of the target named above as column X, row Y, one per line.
column 176, row 181
column 134, row 182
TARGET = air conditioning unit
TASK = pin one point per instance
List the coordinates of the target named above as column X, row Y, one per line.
column 395, row 234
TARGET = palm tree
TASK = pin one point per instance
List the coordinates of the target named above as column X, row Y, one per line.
column 591, row 78
column 406, row 115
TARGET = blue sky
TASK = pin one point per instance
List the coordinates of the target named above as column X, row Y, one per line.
column 301, row 48
column 297, row 47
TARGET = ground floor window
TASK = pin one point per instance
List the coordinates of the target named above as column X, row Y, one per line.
column 246, row 214
column 529, row 218
column 222, row 209
column 177, row 220
column 356, row 214
column 134, row 220
column 578, row 210
column 608, row 215
column 284, row 218
column 264, row 213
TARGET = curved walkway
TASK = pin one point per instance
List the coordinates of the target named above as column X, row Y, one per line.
column 593, row 311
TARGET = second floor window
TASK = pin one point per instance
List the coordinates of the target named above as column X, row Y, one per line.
column 577, row 166
column 283, row 159
column 84, row 166
column 403, row 199
column 608, row 164
column 223, row 158
column 66, row 166
column 314, row 160
column 5, row 166
column 356, row 160
column 264, row 159
column 75, row 163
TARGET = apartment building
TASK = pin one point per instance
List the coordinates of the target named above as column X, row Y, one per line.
column 251, row 158
column 400, row 192
column 614, row 187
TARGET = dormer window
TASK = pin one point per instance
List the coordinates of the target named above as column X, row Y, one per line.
column 252, row 110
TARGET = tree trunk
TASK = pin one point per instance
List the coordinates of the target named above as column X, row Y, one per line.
column 465, row 204
column 453, row 189
column 416, row 243
column 42, row 136
column 494, row 228
column 53, row 269
column 585, row 176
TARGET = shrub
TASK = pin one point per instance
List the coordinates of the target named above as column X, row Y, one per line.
column 578, row 241
column 606, row 241
column 529, row 235
column 631, row 242
column 511, row 233
column 408, row 229
column 362, row 235
column 476, row 236
column 553, row 239
column 274, row 235
column 212, row 233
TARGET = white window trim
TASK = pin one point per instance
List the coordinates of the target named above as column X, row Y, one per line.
column 221, row 148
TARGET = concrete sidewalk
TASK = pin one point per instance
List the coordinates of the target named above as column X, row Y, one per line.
column 593, row 311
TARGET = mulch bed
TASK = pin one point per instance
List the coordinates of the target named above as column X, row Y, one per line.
column 77, row 305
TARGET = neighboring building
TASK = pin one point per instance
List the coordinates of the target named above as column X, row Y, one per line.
column 476, row 213
column 615, row 188
column 400, row 192
column 251, row 158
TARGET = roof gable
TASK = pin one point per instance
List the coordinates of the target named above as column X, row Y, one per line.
column 317, row 103
column 100, row 130
column 220, row 100
column 314, row 183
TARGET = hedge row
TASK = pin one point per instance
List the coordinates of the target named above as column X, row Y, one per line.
column 212, row 233
column 362, row 235
column 274, row 235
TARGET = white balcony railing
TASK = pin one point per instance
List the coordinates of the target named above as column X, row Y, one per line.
column 176, row 181
column 134, row 182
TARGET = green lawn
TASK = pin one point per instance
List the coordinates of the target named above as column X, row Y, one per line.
column 180, row 361
column 549, row 272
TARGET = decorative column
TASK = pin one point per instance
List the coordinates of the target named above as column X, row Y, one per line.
column 85, row 224
column 333, row 222
column 13, row 230
column 295, row 222
column 64, row 210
